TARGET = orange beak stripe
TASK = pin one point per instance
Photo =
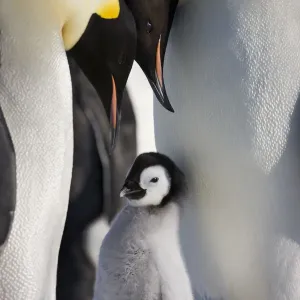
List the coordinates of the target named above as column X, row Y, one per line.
column 158, row 64
column 114, row 103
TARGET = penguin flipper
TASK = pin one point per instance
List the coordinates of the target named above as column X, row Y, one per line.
column 7, row 181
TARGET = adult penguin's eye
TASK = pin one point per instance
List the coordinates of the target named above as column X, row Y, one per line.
column 149, row 27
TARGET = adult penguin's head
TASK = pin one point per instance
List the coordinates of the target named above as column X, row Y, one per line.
column 105, row 53
column 153, row 21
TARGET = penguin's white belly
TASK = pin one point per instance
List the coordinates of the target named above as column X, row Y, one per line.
column 232, row 73
column 35, row 95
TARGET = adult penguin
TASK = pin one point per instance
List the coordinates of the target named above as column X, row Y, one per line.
column 232, row 72
column 95, row 178
column 36, row 101
column 97, row 173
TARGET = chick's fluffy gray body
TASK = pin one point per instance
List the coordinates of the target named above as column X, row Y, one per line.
column 130, row 263
column 126, row 269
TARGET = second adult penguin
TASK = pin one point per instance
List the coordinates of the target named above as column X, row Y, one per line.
column 140, row 257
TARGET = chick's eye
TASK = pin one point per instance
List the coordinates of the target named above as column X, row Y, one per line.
column 154, row 180
column 149, row 27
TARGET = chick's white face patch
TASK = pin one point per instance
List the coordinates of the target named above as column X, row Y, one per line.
column 156, row 181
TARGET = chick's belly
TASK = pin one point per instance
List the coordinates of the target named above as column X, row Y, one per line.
column 131, row 276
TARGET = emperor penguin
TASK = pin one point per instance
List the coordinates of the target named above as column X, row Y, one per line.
column 37, row 135
column 140, row 257
column 232, row 73
column 96, row 175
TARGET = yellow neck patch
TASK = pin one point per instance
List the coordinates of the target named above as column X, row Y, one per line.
column 109, row 9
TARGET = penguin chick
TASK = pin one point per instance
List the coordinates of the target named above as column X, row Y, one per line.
column 140, row 257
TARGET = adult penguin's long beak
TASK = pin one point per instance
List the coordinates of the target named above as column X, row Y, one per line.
column 157, row 82
column 115, row 113
column 119, row 76
column 151, row 61
column 109, row 89
column 152, row 43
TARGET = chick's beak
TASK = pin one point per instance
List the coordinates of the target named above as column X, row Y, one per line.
column 130, row 188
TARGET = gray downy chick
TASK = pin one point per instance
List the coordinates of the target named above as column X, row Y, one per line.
column 140, row 257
